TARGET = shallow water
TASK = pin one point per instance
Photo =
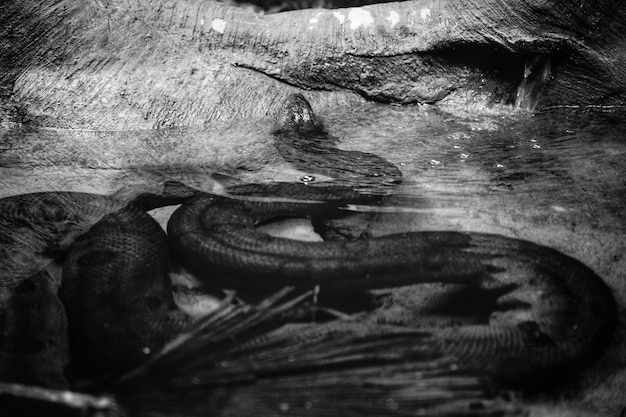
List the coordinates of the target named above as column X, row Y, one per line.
column 562, row 164
column 460, row 157
column 557, row 178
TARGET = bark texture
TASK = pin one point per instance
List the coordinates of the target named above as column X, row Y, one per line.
column 112, row 64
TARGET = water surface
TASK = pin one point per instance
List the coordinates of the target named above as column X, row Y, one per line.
column 557, row 178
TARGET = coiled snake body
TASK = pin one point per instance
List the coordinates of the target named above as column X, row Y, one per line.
column 116, row 288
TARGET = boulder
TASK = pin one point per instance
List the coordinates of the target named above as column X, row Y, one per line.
column 139, row 64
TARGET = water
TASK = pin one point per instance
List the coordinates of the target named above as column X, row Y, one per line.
column 558, row 161
column 557, row 178
column 537, row 70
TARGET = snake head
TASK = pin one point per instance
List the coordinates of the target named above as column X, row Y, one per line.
column 296, row 115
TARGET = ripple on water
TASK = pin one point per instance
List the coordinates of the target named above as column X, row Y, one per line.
column 497, row 163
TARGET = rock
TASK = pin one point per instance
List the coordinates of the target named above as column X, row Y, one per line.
column 141, row 64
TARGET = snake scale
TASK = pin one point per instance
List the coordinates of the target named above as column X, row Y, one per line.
column 116, row 290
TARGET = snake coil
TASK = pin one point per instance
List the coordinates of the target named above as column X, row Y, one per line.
column 116, row 289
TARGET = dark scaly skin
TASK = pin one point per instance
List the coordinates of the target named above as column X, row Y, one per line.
column 39, row 227
column 33, row 334
column 117, row 291
column 301, row 139
column 104, row 237
column 35, row 229
column 570, row 321
column 572, row 315
column 217, row 234
column 571, row 312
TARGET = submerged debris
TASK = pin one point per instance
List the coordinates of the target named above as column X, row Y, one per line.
column 241, row 360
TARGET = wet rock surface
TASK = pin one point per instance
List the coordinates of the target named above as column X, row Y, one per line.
column 139, row 64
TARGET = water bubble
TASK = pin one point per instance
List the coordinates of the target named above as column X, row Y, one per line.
column 291, row 358
column 284, row 407
column 308, row 405
column 146, row 350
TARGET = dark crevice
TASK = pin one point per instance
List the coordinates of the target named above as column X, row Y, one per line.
column 512, row 77
column 502, row 68
column 276, row 6
column 493, row 59
column 281, row 80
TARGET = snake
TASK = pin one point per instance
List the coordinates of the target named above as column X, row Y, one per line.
column 116, row 291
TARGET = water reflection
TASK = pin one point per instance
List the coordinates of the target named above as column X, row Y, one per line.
column 504, row 171
column 566, row 157
column 556, row 178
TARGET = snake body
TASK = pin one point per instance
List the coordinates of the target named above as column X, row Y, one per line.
column 116, row 289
